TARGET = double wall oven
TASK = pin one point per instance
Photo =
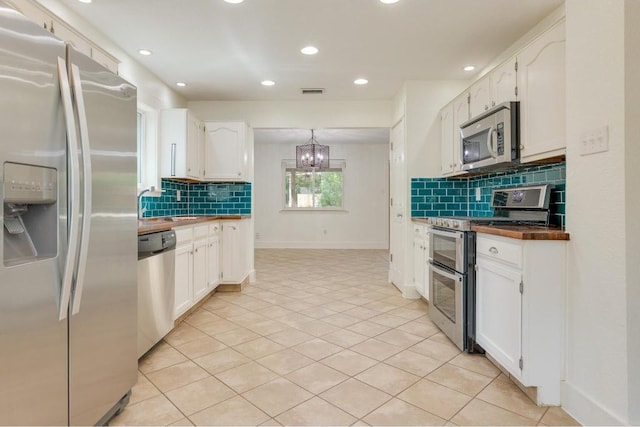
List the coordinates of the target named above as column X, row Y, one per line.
column 452, row 258
column 452, row 283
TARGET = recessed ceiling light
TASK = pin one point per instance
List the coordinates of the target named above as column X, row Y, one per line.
column 469, row 68
column 234, row 1
column 389, row 1
column 85, row 1
column 181, row 84
column 268, row 83
column 309, row 50
column 144, row 52
column 361, row 81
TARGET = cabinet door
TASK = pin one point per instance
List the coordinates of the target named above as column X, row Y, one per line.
column 224, row 151
column 231, row 252
column 499, row 313
column 183, row 279
column 194, row 146
column 541, row 87
column 460, row 115
column 200, row 282
column 447, row 140
column 213, row 261
column 480, row 96
column 418, row 265
column 504, row 82
column 425, row 265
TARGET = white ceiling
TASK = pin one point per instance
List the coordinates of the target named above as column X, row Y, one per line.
column 323, row 136
column 223, row 51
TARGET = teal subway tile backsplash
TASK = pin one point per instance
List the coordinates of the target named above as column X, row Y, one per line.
column 457, row 196
column 199, row 199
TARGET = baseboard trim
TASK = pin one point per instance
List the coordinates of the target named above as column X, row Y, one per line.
column 585, row 409
column 321, row 245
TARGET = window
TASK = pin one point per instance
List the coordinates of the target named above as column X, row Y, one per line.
column 314, row 190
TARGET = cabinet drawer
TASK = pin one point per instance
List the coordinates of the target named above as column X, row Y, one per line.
column 214, row 228
column 500, row 249
column 200, row 231
column 418, row 230
column 184, row 234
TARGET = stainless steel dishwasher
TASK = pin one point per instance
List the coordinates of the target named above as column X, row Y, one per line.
column 156, row 287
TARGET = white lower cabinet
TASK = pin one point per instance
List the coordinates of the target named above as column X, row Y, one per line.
column 520, row 309
column 183, row 279
column 196, row 261
column 213, row 256
column 235, row 257
column 421, row 259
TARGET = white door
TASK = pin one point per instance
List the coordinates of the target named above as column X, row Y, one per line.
column 541, row 86
column 213, row 261
column 183, row 279
column 398, row 197
column 480, row 96
column 200, row 282
column 499, row 312
column 224, row 150
column 194, row 147
column 503, row 83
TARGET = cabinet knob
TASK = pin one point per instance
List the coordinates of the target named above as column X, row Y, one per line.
column 486, row 107
column 493, row 103
column 239, row 173
column 191, row 252
column 521, row 147
column 493, row 250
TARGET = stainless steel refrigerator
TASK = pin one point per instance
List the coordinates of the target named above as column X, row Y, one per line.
column 68, row 292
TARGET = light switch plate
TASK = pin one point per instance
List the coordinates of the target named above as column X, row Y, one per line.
column 594, row 141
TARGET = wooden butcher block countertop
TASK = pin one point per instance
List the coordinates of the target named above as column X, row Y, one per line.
column 522, row 232
column 152, row 225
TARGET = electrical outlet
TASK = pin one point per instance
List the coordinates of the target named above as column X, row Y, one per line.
column 594, row 141
column 478, row 194
column 178, row 196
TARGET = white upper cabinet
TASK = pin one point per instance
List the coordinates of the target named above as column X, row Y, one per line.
column 504, row 82
column 227, row 151
column 480, row 96
column 181, row 139
column 495, row 88
column 49, row 21
column 541, row 86
column 451, row 117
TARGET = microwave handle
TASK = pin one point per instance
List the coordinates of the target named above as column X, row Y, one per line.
column 490, row 142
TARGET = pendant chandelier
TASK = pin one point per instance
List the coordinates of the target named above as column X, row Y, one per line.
column 312, row 155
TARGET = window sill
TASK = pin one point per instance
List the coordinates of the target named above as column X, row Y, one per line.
column 314, row 210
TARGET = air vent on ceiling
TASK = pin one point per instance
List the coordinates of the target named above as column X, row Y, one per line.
column 312, row 91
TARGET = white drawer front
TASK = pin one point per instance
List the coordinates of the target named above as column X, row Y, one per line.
column 500, row 249
column 214, row 228
column 184, row 234
column 418, row 230
column 200, row 231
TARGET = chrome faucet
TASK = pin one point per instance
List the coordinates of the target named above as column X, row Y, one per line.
column 140, row 209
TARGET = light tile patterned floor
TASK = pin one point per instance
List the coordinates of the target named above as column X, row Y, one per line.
column 321, row 339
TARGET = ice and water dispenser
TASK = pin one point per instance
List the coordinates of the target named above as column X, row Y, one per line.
column 30, row 213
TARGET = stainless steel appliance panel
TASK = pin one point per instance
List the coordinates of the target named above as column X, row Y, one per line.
column 156, row 297
column 33, row 342
column 446, row 311
column 103, row 337
column 447, row 248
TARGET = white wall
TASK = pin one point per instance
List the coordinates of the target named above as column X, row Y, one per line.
column 364, row 224
column 151, row 90
column 597, row 355
column 632, row 199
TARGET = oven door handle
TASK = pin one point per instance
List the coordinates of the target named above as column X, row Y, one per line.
column 444, row 233
column 445, row 273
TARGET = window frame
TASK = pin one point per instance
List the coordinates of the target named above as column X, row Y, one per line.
column 338, row 165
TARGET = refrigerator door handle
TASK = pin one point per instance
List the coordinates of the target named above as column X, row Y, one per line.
column 76, row 86
column 73, row 199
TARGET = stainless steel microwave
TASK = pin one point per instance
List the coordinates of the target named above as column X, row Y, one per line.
column 492, row 138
